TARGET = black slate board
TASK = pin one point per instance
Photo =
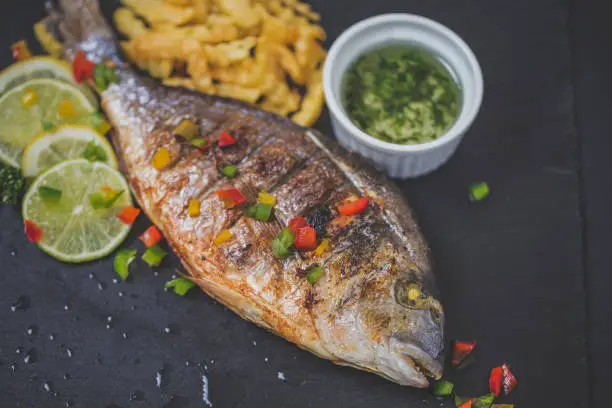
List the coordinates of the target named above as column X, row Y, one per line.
column 592, row 60
column 510, row 268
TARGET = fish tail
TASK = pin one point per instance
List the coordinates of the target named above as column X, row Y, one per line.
column 80, row 25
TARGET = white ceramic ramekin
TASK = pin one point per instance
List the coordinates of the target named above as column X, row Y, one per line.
column 403, row 161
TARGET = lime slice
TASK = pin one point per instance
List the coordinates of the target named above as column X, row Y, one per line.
column 72, row 230
column 63, row 143
column 21, row 122
column 41, row 67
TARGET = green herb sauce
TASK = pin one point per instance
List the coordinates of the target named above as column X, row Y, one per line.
column 401, row 94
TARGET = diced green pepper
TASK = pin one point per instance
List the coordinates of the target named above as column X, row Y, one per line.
column 282, row 244
column 122, row 262
column 484, row 402
column 200, row 142
column 315, row 274
column 98, row 201
column 461, row 400
column 180, row 285
column 104, row 76
column 260, row 212
column 47, row 125
column 50, row 196
column 479, row 191
column 229, row 171
column 443, row 388
column 94, row 152
column 154, row 256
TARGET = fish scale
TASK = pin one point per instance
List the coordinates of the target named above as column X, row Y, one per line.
column 375, row 308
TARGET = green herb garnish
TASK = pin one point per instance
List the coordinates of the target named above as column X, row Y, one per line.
column 11, row 184
column 401, row 94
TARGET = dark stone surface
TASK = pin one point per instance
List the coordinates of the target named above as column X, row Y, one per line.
column 510, row 268
column 592, row 59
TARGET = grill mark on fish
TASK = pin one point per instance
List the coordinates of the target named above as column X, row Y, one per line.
column 308, row 188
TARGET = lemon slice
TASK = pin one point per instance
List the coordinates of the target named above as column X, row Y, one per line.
column 72, row 230
column 41, row 67
column 25, row 108
column 63, row 143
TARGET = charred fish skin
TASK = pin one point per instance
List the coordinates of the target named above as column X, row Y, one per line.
column 376, row 308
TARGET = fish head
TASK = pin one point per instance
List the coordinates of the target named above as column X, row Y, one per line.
column 392, row 324
column 416, row 328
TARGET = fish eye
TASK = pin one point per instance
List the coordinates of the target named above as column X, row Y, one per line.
column 410, row 294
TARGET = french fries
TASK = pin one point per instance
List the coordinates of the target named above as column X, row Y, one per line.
column 265, row 52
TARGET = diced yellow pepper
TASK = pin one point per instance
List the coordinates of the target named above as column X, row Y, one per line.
column 29, row 98
column 103, row 127
column 265, row 198
column 66, row 109
column 187, row 129
column 224, row 236
column 161, row 159
column 322, row 248
column 194, row 207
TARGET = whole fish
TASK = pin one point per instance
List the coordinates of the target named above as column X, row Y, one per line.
column 376, row 306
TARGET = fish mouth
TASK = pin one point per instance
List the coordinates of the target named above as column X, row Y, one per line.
column 416, row 366
column 423, row 362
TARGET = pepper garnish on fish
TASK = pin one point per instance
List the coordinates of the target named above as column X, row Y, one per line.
column 366, row 298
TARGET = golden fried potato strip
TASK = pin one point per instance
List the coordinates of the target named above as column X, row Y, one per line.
column 128, row 24
column 159, row 12
column 265, row 52
column 225, row 54
column 312, row 105
column 241, row 11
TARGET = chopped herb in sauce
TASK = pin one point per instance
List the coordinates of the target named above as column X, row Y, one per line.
column 401, row 94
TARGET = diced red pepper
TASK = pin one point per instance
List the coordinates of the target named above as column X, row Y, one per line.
column 231, row 197
column 467, row 404
column 226, row 140
column 128, row 214
column 352, row 207
column 82, row 68
column 151, row 236
column 510, row 381
column 306, row 239
column 33, row 231
column 296, row 223
column 461, row 349
column 496, row 380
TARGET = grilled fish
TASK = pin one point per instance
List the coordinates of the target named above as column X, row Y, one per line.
column 376, row 306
